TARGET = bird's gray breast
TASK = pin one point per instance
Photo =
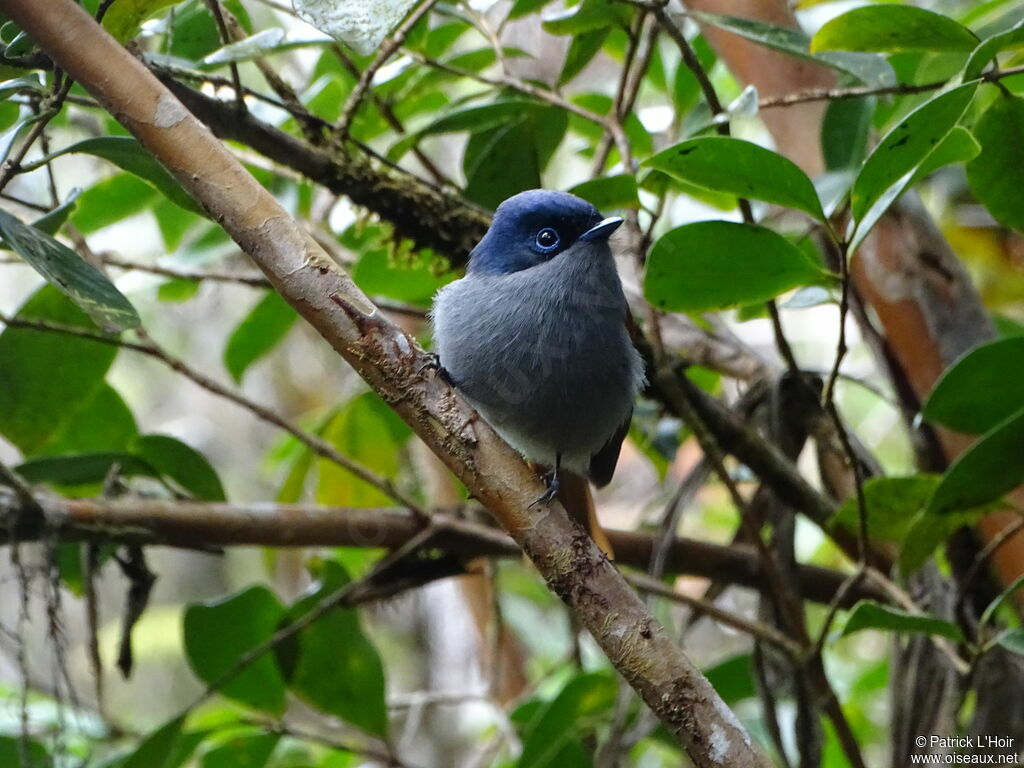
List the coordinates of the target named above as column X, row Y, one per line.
column 543, row 354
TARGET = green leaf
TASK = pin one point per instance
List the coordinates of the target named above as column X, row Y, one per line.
column 609, row 192
column 218, row 634
column 104, row 423
column 111, row 201
column 991, row 608
column 181, row 463
column 742, row 168
column 867, row 614
column 263, row 42
column 733, row 678
column 891, row 166
column 892, row 27
column 245, row 749
column 712, row 265
column 927, row 532
column 955, row 400
column 994, row 174
column 158, row 749
column 583, row 698
column 80, row 280
column 581, row 52
column 1012, row 640
column 334, row 667
column 869, row 68
column 369, row 432
column 991, row 467
column 984, row 53
column 124, row 17
column 410, row 277
column 47, row 377
column 128, row 155
column 259, row 332
column 844, row 132
column 83, row 468
column 11, row 750
column 522, row 8
column 587, row 17
column 892, row 503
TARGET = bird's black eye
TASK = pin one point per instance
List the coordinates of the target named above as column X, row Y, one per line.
column 547, row 239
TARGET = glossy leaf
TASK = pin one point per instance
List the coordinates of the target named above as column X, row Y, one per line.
column 994, row 465
column 609, row 192
column 128, row 155
column 159, row 748
column 259, row 332
column 844, row 132
column 246, row 749
column 51, row 222
column 955, row 400
column 994, row 175
column 891, row 166
column 893, row 504
column 124, row 18
column 990, row 47
column 868, row 614
column 333, row 667
column 581, row 52
column 182, row 464
column 742, row 168
column 47, row 377
column 869, row 68
column 712, row 265
column 62, row 267
column 217, row 634
column 584, row 697
column 893, row 27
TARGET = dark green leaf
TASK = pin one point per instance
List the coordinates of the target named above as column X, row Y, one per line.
column 609, row 192
column 80, row 280
column 245, row 749
column 501, row 162
column 984, row 53
column 995, row 173
column 733, row 678
column 741, row 168
column 712, row 265
column 1012, row 640
column 588, row 16
column 335, row 668
column 844, row 132
column 955, row 400
column 111, row 201
column 869, row 68
column 182, row 464
column 47, row 377
column 581, row 52
column 522, row 8
column 11, row 750
column 83, row 468
column 105, row 423
column 890, row 167
column 261, row 330
column 158, row 748
column 892, row 504
column 891, row 27
column 413, row 278
column 128, row 155
column 123, row 18
column 218, row 634
column 51, row 222
column 990, row 610
column 585, row 697
column 991, row 467
column 868, row 614
column 927, row 533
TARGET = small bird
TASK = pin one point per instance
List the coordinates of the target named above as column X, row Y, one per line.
column 535, row 338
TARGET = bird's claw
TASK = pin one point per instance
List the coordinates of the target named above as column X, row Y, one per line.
column 433, row 363
column 553, row 483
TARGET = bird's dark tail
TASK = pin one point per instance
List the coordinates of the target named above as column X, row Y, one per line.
column 574, row 493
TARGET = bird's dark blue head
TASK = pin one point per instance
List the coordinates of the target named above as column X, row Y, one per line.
column 535, row 226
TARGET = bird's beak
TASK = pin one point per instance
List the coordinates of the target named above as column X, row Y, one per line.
column 603, row 230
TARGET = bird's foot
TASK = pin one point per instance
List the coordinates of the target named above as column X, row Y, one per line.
column 433, row 363
column 553, row 483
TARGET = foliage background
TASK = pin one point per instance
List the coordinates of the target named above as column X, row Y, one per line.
column 483, row 102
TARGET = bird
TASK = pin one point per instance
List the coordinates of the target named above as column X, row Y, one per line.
column 535, row 338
